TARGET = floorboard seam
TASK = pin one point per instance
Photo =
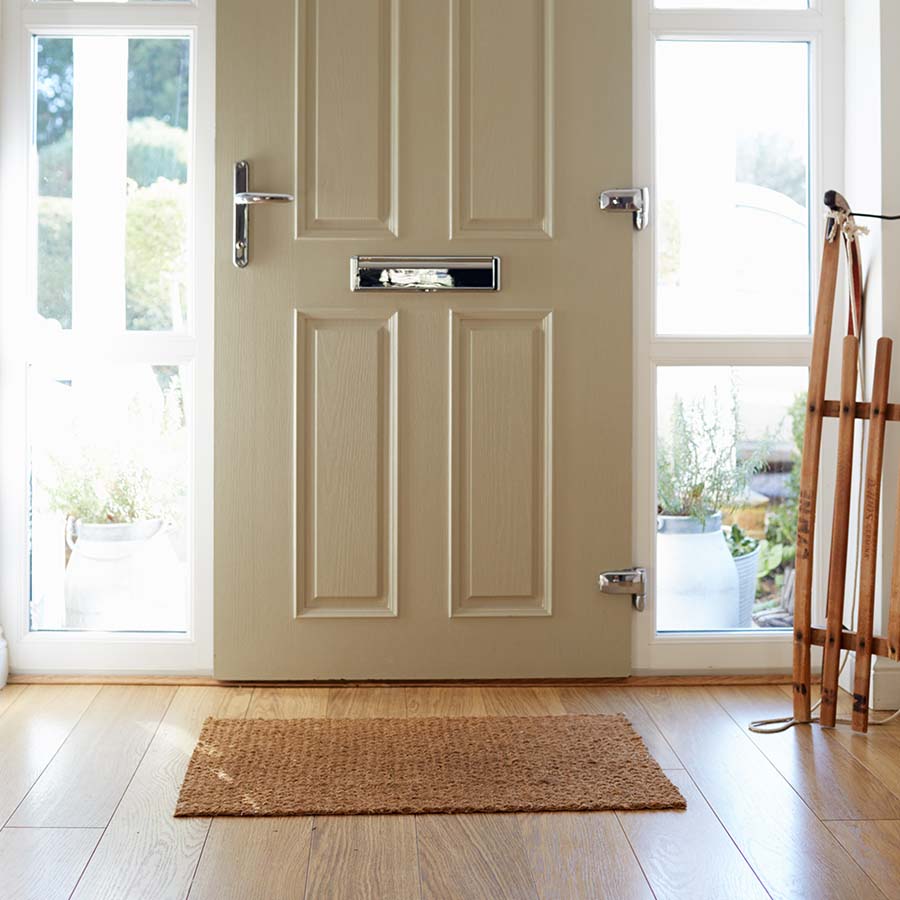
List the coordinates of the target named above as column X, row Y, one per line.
column 16, row 699
column 55, row 753
column 165, row 712
column 746, row 734
column 634, row 853
column 709, row 805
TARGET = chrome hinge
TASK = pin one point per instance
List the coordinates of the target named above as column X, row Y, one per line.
column 631, row 581
column 633, row 200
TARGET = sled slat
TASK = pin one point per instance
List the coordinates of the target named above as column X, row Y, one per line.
column 837, row 568
column 893, row 632
column 848, row 641
column 809, row 478
column 868, row 559
column 831, row 409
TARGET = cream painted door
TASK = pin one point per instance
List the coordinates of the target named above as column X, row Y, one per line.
column 423, row 485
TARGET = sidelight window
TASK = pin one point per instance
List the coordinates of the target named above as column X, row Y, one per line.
column 107, row 333
column 738, row 154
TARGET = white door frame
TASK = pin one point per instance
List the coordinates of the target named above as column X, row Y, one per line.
column 52, row 652
column 822, row 27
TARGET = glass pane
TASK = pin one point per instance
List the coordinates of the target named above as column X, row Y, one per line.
column 158, row 149
column 732, row 246
column 109, row 456
column 731, row 4
column 728, row 468
column 54, row 77
column 120, row 205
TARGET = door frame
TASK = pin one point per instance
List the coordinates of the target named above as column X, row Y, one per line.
column 822, row 27
column 102, row 652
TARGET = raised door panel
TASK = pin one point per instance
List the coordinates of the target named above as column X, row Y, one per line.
column 347, row 118
column 346, row 465
column 501, row 103
column 500, row 463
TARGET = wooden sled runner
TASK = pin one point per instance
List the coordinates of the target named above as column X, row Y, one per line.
column 841, row 231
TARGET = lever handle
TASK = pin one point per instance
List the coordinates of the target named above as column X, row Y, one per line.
column 243, row 199
column 246, row 198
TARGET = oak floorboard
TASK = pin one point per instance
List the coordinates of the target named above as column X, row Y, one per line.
column 608, row 701
column 261, row 858
column 288, row 703
column 845, row 711
column 84, row 783
column 834, row 784
column 522, row 701
column 43, row 863
column 581, row 855
column 687, row 853
column 363, row 858
column 473, row 856
column 877, row 847
column 145, row 853
column 31, row 732
column 254, row 859
column 445, row 701
column 789, row 849
column 878, row 750
column 10, row 694
column 366, row 703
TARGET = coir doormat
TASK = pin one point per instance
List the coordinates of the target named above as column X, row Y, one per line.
column 284, row 767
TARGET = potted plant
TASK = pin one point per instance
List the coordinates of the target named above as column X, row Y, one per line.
column 122, row 572
column 115, row 478
column 745, row 551
column 774, row 605
column 701, row 473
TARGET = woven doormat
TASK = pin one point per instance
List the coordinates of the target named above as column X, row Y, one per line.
column 284, row 767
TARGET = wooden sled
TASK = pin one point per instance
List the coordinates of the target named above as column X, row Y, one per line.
column 834, row 637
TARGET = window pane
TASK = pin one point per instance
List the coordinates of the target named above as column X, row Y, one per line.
column 54, row 76
column 109, row 456
column 158, row 149
column 117, row 206
column 732, row 247
column 731, row 4
column 728, row 468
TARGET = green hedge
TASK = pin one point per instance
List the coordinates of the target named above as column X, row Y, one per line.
column 155, row 226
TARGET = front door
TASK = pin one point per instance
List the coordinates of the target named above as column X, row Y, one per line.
column 420, row 484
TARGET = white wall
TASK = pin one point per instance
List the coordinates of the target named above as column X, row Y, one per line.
column 872, row 184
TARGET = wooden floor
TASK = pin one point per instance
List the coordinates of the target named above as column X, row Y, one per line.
column 89, row 776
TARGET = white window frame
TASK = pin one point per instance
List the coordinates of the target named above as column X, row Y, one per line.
column 85, row 652
column 822, row 27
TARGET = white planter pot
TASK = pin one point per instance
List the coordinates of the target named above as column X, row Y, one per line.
column 123, row 578
column 696, row 579
column 746, row 567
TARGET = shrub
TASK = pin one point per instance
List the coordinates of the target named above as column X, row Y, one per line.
column 156, row 150
column 699, row 469
column 54, row 276
column 155, row 263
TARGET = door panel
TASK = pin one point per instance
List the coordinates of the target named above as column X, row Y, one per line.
column 347, row 145
column 423, row 484
column 501, row 414
column 502, row 115
column 346, row 465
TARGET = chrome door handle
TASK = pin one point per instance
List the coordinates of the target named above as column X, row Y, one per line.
column 243, row 199
column 246, row 198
